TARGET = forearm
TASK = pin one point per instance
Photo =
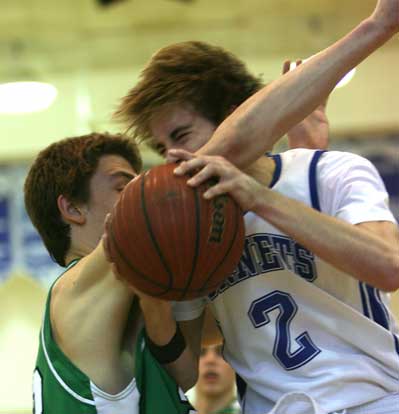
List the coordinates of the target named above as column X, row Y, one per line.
column 259, row 122
column 161, row 329
column 360, row 253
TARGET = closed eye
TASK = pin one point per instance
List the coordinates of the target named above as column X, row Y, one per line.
column 180, row 132
column 181, row 136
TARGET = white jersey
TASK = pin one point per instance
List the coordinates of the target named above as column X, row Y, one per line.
column 291, row 321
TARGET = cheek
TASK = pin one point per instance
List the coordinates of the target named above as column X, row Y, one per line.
column 197, row 142
column 227, row 372
column 108, row 204
column 112, row 201
column 205, row 136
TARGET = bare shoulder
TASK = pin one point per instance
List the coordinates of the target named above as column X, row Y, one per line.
column 82, row 301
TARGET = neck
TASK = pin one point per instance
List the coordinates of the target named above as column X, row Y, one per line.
column 72, row 256
column 262, row 170
column 210, row 404
column 82, row 244
column 77, row 252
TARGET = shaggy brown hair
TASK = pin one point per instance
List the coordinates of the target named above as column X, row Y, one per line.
column 210, row 79
column 66, row 168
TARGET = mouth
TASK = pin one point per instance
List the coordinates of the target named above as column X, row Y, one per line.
column 211, row 376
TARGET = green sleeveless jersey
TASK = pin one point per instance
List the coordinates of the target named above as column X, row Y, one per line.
column 60, row 387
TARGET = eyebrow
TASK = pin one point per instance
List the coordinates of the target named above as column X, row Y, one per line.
column 123, row 174
column 178, row 130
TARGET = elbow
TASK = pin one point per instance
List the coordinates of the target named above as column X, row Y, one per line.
column 391, row 275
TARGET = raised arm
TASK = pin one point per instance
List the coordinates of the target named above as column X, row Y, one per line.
column 368, row 251
column 254, row 127
column 313, row 131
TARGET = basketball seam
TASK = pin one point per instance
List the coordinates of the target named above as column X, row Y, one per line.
column 127, row 262
column 143, row 275
column 197, row 242
column 233, row 240
column 151, row 233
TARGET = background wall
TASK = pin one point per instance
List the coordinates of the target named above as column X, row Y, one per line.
column 93, row 55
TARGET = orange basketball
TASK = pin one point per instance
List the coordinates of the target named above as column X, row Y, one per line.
column 170, row 242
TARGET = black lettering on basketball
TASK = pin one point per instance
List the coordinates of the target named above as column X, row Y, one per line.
column 218, row 221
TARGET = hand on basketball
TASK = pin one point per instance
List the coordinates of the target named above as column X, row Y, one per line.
column 243, row 188
column 107, row 252
column 144, row 298
column 312, row 132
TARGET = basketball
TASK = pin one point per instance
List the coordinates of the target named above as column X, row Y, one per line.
column 168, row 241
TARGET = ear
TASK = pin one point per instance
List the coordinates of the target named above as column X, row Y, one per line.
column 69, row 212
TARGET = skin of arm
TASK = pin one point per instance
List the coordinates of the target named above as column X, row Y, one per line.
column 266, row 116
column 368, row 251
column 161, row 327
column 211, row 334
column 80, row 333
column 313, row 131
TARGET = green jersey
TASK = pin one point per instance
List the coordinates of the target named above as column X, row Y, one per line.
column 60, row 387
column 232, row 408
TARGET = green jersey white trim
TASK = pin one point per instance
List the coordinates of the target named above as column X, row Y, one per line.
column 59, row 379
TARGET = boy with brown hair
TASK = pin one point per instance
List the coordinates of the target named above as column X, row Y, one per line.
column 93, row 355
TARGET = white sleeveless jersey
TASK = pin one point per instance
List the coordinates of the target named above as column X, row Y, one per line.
column 292, row 322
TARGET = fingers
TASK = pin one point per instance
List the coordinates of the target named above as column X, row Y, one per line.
column 207, row 168
column 105, row 237
column 188, row 166
column 288, row 63
column 286, row 66
column 180, row 154
column 218, row 189
column 208, row 171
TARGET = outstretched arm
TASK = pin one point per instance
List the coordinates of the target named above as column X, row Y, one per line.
column 313, row 131
column 254, row 127
column 368, row 251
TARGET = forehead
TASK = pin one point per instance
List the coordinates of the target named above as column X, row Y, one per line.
column 171, row 117
column 213, row 348
column 111, row 164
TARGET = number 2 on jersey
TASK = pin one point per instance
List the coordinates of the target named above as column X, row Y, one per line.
column 287, row 308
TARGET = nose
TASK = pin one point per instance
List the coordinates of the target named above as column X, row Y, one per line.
column 210, row 357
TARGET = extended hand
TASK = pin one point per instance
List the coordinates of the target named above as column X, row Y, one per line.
column 243, row 188
column 386, row 15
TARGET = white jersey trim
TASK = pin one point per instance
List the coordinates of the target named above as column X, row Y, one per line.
column 114, row 397
column 59, row 379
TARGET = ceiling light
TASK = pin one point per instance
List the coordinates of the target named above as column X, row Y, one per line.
column 25, row 97
column 344, row 81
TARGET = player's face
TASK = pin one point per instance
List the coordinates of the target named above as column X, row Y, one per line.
column 180, row 127
column 112, row 174
column 216, row 377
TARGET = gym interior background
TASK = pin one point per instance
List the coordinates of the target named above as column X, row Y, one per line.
column 91, row 52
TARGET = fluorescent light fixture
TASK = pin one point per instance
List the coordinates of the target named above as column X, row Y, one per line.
column 26, row 97
column 344, row 81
